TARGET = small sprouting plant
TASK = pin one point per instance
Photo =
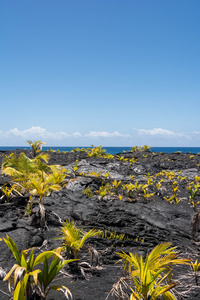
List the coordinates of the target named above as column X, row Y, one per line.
column 36, row 146
column 170, row 175
column 96, row 175
column 106, row 175
column 194, row 191
column 104, row 190
column 113, row 236
column 120, row 158
column 174, row 196
column 8, row 192
column 130, row 188
column 116, row 185
column 146, row 148
column 96, row 151
column 87, row 191
column 197, row 178
column 137, row 187
column 120, row 197
column 159, row 185
column 109, row 156
column 136, row 149
column 79, row 150
column 182, row 178
column 29, row 206
column 75, row 168
column 195, row 266
column 74, row 238
column 149, row 179
column 132, row 160
column 146, row 194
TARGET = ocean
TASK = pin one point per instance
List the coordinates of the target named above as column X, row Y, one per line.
column 114, row 150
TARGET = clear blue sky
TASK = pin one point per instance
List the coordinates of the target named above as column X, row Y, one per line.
column 102, row 72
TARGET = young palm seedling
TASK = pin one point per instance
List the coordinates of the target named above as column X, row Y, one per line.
column 136, row 149
column 74, row 238
column 116, row 185
column 147, row 195
column 8, row 192
column 87, row 191
column 148, row 275
column 34, row 176
column 195, row 266
column 26, row 277
column 36, row 146
column 130, row 188
column 96, row 151
column 149, row 179
column 75, row 168
column 137, row 187
column 194, row 191
column 159, row 185
column 174, row 196
column 41, row 188
column 104, row 190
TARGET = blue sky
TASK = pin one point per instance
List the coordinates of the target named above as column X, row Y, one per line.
column 102, row 72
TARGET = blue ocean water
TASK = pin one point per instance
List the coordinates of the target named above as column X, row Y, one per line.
column 115, row 150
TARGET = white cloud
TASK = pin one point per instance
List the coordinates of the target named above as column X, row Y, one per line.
column 105, row 134
column 37, row 132
column 161, row 132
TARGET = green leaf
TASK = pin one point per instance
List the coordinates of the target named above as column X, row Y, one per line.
column 45, row 272
column 10, row 243
column 41, row 257
column 63, row 289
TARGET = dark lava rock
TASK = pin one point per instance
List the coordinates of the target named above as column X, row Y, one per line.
column 144, row 222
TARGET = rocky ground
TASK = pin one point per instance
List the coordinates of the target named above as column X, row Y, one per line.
column 131, row 221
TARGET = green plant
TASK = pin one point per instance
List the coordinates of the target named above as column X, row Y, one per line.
column 195, row 266
column 137, row 187
column 75, row 168
column 74, row 238
column 113, row 236
column 158, row 185
column 109, row 156
column 7, row 192
column 130, row 188
column 146, row 148
column 132, row 160
column 96, row 175
column 149, row 179
column 146, row 194
column 136, row 149
column 96, row 151
column 29, row 206
column 106, row 175
column 104, row 190
column 26, row 277
column 79, row 150
column 41, row 187
column 194, row 191
column 148, row 274
column 36, row 146
column 174, row 196
column 87, row 191
column 116, row 185
column 34, row 176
